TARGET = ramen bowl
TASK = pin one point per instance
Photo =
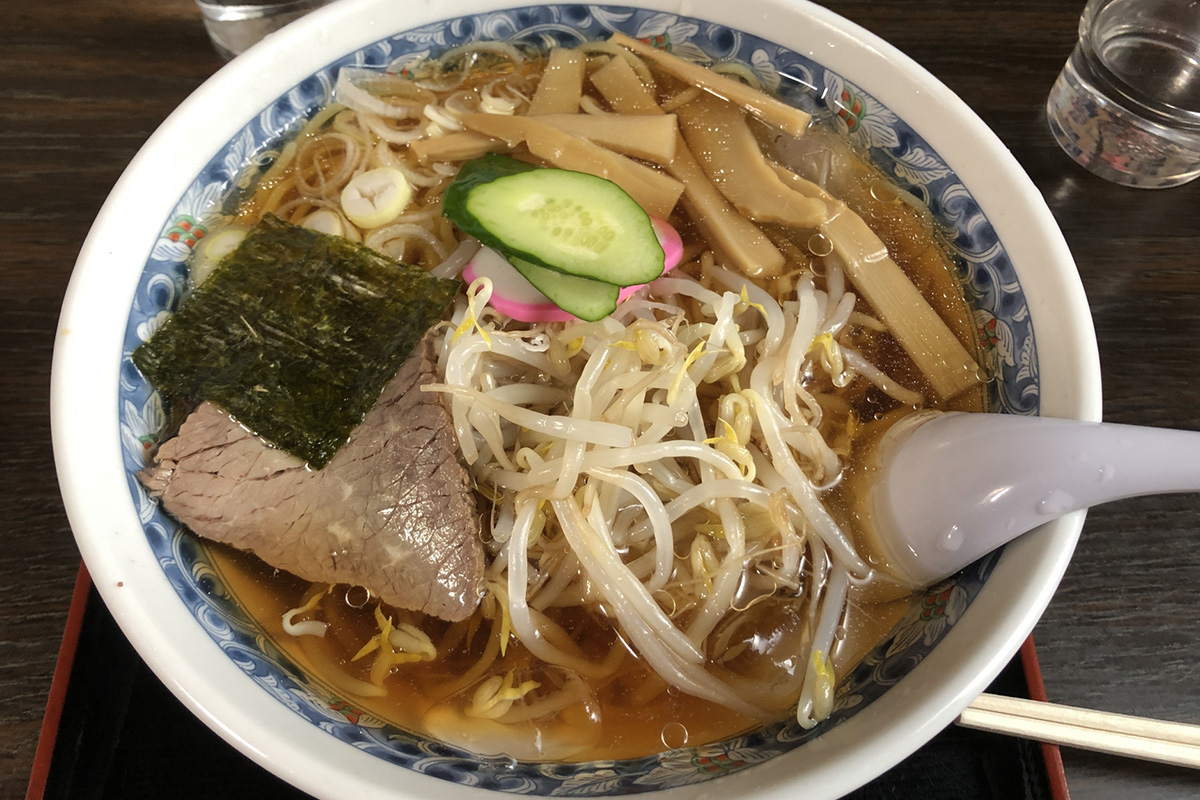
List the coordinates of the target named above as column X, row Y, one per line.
column 174, row 606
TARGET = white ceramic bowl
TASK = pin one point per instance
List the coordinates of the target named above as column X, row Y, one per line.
column 130, row 271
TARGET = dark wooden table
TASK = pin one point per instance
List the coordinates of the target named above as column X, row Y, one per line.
column 84, row 82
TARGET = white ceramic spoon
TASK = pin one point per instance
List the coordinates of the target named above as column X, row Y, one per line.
column 954, row 486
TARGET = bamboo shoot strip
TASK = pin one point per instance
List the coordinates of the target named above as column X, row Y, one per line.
column 460, row 146
column 727, row 231
column 717, row 134
column 927, row 339
column 774, row 112
column 637, row 135
column 561, row 85
column 654, row 191
column 921, row 332
column 623, row 89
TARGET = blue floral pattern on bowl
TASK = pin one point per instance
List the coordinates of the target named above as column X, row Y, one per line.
column 1000, row 312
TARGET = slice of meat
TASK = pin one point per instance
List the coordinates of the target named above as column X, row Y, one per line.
column 392, row 511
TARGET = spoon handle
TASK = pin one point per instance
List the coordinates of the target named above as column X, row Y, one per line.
column 958, row 486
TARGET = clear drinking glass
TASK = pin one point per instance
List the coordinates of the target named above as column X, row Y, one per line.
column 234, row 25
column 1127, row 103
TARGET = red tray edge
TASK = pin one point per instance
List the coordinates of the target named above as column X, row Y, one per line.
column 58, row 687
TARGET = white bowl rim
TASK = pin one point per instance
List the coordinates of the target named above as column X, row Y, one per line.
column 87, row 450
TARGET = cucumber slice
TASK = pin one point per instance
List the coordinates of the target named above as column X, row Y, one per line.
column 572, row 222
column 585, row 298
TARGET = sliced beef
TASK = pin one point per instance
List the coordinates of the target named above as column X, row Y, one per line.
column 393, row 511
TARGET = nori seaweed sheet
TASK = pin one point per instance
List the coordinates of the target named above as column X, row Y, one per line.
column 295, row 335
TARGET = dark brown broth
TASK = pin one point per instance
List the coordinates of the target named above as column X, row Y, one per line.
column 639, row 711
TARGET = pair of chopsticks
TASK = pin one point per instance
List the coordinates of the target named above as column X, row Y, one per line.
column 1118, row 734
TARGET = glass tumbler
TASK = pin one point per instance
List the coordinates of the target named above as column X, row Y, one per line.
column 234, row 25
column 1127, row 104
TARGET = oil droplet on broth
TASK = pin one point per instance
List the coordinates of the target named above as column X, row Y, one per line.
column 884, row 193
column 357, row 596
column 674, row 735
column 819, row 245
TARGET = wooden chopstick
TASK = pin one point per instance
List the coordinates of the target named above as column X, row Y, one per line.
column 1104, row 732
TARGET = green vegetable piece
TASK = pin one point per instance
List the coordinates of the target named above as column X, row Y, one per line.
column 571, row 222
column 585, row 298
column 295, row 334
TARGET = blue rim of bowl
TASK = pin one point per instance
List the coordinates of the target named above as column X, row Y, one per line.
column 1000, row 311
